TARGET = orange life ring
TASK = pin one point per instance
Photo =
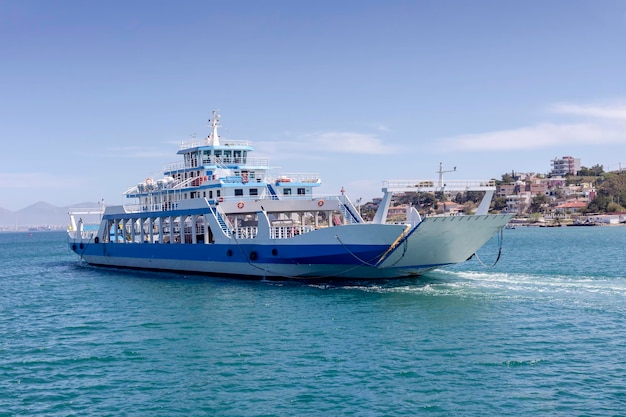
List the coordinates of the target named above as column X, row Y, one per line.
column 320, row 203
column 240, row 204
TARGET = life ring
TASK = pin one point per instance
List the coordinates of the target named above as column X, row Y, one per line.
column 320, row 203
column 240, row 205
column 221, row 199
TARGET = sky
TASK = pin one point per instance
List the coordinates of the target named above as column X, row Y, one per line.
column 97, row 96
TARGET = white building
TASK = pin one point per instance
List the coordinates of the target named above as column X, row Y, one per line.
column 567, row 165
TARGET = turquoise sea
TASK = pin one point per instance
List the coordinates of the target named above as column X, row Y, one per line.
column 542, row 333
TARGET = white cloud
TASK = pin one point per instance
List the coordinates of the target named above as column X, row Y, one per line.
column 616, row 112
column 318, row 145
column 601, row 125
column 383, row 128
column 350, row 142
column 347, row 142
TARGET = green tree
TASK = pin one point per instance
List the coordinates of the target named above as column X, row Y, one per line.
column 599, row 204
column 507, row 178
column 498, row 204
column 538, row 202
column 426, row 201
column 611, row 194
column 473, row 196
column 614, row 207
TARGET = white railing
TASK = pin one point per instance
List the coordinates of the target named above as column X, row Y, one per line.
column 88, row 234
column 286, row 232
column 297, row 177
column 276, row 232
column 221, row 162
column 173, row 166
column 427, row 185
column 91, row 210
column 247, row 232
column 205, row 142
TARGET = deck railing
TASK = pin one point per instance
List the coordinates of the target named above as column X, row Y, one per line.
column 427, row 185
column 204, row 142
column 222, row 161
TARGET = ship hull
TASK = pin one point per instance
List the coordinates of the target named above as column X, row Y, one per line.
column 365, row 251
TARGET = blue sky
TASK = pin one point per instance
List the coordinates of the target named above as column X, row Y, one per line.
column 97, row 95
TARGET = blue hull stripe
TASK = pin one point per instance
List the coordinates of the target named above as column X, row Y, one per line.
column 271, row 254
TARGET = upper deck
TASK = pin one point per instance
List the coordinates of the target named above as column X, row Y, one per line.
column 205, row 143
column 219, row 169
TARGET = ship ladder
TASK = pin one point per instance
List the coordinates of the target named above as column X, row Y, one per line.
column 222, row 222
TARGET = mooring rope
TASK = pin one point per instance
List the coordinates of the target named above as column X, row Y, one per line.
column 500, row 240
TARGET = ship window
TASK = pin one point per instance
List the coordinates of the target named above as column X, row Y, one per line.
column 238, row 191
column 254, row 191
column 210, row 193
column 300, row 191
column 287, row 191
column 219, row 192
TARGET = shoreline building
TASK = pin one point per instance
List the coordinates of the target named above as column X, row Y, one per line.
column 567, row 165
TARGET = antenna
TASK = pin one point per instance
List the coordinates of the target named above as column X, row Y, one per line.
column 214, row 138
column 441, row 172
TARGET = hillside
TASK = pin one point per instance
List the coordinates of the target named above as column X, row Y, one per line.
column 38, row 214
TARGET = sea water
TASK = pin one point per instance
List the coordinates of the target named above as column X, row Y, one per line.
column 543, row 332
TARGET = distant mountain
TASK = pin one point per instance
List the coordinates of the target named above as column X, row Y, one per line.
column 7, row 217
column 39, row 214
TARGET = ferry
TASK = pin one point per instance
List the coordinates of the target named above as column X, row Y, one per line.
column 220, row 212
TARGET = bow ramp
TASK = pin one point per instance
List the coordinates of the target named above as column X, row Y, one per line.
column 440, row 241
